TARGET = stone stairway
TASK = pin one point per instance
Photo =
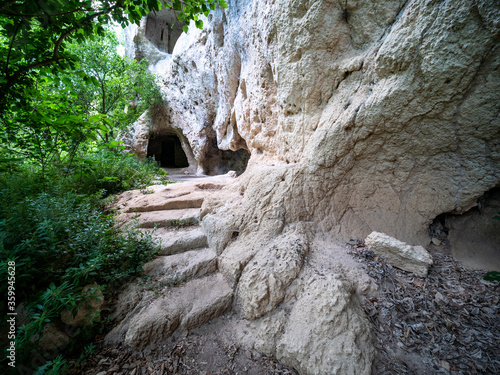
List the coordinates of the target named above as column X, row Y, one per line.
column 186, row 290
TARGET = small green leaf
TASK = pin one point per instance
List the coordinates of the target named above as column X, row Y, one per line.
column 492, row 276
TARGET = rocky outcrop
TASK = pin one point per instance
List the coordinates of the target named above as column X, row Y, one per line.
column 387, row 112
column 262, row 285
column 359, row 116
column 324, row 332
column 413, row 259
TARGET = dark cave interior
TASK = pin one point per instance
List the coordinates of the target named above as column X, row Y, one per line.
column 167, row 149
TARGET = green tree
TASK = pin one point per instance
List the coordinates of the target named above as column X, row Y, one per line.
column 35, row 33
column 46, row 114
column 47, row 125
column 121, row 88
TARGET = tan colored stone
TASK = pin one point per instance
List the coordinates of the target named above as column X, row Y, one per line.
column 178, row 241
column 362, row 109
column 266, row 276
column 181, row 267
column 187, row 307
column 53, row 338
column 401, row 255
column 327, row 332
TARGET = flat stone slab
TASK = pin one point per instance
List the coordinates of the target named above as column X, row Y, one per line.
column 413, row 259
column 159, row 203
column 182, row 267
column 189, row 194
column 180, row 240
column 161, row 219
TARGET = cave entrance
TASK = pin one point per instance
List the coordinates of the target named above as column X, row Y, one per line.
column 215, row 161
column 163, row 29
column 167, row 150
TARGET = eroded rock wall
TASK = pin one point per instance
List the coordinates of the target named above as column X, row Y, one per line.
column 386, row 112
column 360, row 116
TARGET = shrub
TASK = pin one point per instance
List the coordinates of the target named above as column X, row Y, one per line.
column 114, row 172
column 61, row 242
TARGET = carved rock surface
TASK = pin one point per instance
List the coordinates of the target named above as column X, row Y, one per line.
column 387, row 110
column 401, row 255
column 324, row 333
column 360, row 116
column 188, row 306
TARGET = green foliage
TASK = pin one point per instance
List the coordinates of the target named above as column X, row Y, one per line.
column 190, row 10
column 492, row 276
column 56, row 366
column 182, row 223
column 48, row 125
column 60, row 235
column 61, row 241
column 64, row 94
column 110, row 84
column 35, row 34
column 112, row 172
column 64, row 113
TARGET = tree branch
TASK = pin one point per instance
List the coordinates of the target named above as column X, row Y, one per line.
column 6, row 70
column 7, row 4
column 14, row 78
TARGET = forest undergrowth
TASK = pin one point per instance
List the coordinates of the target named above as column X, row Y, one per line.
column 57, row 235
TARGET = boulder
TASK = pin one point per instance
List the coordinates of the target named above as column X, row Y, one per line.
column 52, row 338
column 413, row 259
column 323, row 331
column 327, row 332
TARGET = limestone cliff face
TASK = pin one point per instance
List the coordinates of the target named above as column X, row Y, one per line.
column 359, row 116
column 375, row 115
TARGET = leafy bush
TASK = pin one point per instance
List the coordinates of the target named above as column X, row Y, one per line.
column 61, row 242
column 492, row 276
column 113, row 172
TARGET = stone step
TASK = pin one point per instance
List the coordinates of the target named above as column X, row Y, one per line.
column 191, row 200
column 174, row 241
column 181, row 267
column 161, row 219
column 186, row 307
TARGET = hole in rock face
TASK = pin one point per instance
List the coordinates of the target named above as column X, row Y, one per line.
column 216, row 161
column 167, row 149
column 472, row 237
column 163, row 29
